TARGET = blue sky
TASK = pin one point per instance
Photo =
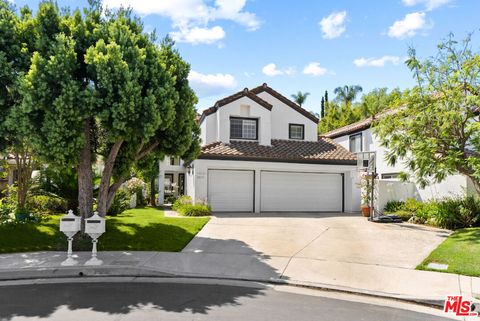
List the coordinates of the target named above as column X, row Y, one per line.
column 306, row 45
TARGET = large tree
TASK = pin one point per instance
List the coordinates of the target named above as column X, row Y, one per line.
column 18, row 41
column 347, row 94
column 106, row 89
column 437, row 132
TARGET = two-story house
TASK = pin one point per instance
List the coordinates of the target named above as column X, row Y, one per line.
column 261, row 153
column 359, row 137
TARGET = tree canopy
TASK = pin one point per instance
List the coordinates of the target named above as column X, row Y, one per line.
column 437, row 132
column 99, row 86
column 300, row 97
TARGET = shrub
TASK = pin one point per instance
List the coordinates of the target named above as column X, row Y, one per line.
column 120, row 203
column 394, row 206
column 404, row 215
column 195, row 210
column 170, row 199
column 44, row 204
column 455, row 213
column 412, row 205
column 181, row 201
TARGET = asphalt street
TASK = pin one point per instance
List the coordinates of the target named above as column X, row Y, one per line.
column 182, row 301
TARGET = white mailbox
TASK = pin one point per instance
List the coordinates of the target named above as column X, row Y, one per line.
column 70, row 224
column 94, row 226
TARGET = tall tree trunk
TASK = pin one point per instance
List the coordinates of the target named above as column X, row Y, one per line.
column 152, row 192
column 112, row 191
column 102, row 206
column 85, row 176
column 24, row 175
column 476, row 184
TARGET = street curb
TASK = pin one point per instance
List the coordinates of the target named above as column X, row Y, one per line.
column 128, row 271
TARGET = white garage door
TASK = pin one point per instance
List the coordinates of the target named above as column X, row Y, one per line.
column 303, row 192
column 231, row 191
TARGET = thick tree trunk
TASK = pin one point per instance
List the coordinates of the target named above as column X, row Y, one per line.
column 24, row 170
column 103, row 192
column 476, row 184
column 112, row 191
column 152, row 192
column 85, row 177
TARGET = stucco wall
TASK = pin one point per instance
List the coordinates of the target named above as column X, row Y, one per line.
column 201, row 167
column 283, row 115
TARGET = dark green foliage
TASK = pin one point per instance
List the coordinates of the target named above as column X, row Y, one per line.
column 450, row 213
column 59, row 182
column 47, row 204
column 121, row 202
column 393, row 206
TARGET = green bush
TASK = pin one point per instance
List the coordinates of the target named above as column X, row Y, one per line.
column 394, row 206
column 404, row 215
column 181, row 201
column 195, row 210
column 455, row 213
column 44, row 204
column 412, row 205
column 121, row 202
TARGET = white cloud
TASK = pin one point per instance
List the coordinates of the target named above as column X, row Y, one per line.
column 409, row 26
column 314, row 69
column 377, row 62
column 271, row 70
column 206, row 85
column 429, row 4
column 198, row 35
column 334, row 25
column 194, row 16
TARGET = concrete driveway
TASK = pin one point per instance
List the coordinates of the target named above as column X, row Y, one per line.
column 335, row 237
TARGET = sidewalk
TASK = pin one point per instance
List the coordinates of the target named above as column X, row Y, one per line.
column 392, row 282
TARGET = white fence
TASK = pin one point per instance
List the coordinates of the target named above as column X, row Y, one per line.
column 391, row 190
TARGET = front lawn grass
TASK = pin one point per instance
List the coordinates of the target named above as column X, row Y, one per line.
column 140, row 229
column 461, row 251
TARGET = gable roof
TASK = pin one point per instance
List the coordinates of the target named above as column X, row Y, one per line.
column 222, row 102
column 359, row 125
column 285, row 100
column 323, row 151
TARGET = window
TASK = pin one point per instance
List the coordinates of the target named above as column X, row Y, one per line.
column 174, row 161
column 356, row 143
column 243, row 128
column 390, row 176
column 296, row 131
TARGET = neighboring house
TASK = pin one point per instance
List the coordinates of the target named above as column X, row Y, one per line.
column 358, row 137
column 261, row 153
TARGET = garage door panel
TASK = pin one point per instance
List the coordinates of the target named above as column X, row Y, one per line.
column 230, row 190
column 308, row 192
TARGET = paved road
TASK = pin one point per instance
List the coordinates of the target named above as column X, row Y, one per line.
column 182, row 301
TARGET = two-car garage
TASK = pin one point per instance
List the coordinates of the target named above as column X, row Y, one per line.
column 279, row 191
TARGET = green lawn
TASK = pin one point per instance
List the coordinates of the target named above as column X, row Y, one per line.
column 141, row 229
column 461, row 251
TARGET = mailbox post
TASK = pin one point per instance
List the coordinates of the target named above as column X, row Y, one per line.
column 95, row 227
column 70, row 225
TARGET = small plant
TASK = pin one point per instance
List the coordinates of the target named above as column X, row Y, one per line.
column 366, row 188
column 394, row 206
column 195, row 210
column 121, row 202
column 181, row 201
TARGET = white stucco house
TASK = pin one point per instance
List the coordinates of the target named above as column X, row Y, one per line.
column 359, row 137
column 261, row 153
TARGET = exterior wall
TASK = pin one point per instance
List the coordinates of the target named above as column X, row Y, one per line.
column 282, row 115
column 166, row 168
column 389, row 189
column 201, row 167
column 209, row 129
column 234, row 109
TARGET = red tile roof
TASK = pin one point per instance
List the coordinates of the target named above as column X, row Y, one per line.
column 323, row 151
column 285, row 100
column 358, row 126
column 244, row 93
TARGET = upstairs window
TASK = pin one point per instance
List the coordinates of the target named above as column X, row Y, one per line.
column 243, row 128
column 296, row 131
column 356, row 143
column 174, row 161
